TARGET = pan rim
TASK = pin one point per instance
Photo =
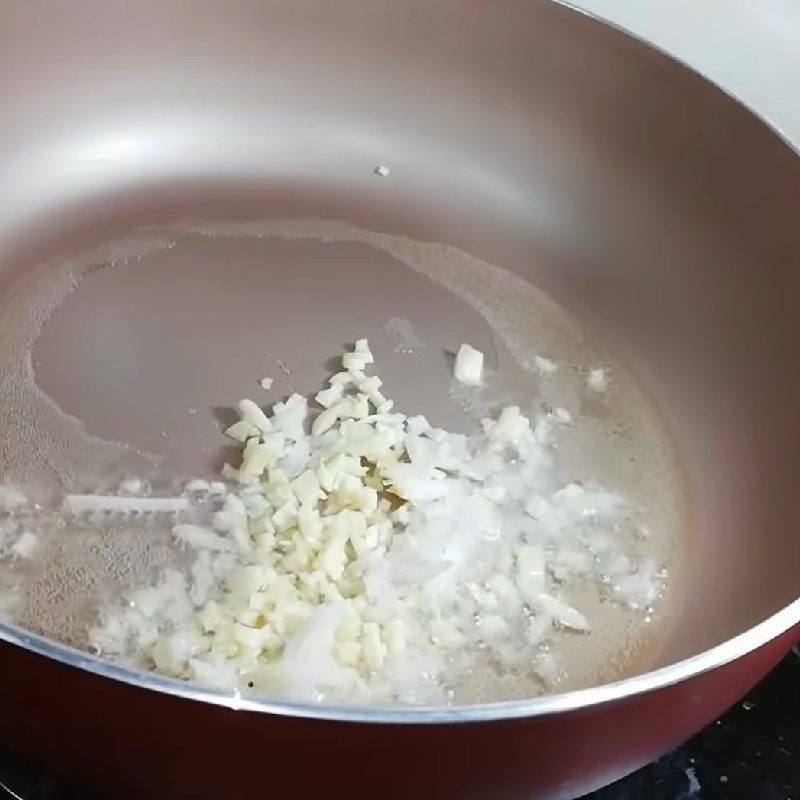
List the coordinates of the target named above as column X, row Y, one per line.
column 706, row 661
column 549, row 705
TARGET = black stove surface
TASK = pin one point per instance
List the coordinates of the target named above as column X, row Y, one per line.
column 751, row 753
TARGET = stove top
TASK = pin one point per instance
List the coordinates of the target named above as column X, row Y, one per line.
column 751, row 753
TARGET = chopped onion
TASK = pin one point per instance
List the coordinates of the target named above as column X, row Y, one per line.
column 469, row 365
column 370, row 558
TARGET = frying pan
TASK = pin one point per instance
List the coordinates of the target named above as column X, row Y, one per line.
column 640, row 198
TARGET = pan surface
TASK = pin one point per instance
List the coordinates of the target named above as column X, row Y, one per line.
column 638, row 198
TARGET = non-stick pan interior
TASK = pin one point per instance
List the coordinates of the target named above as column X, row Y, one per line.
column 646, row 204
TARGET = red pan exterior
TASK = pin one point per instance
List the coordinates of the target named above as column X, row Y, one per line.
column 119, row 742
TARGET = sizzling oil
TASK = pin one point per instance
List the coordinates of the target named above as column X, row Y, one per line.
column 617, row 436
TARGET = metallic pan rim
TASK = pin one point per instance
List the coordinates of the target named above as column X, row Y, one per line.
column 711, row 659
